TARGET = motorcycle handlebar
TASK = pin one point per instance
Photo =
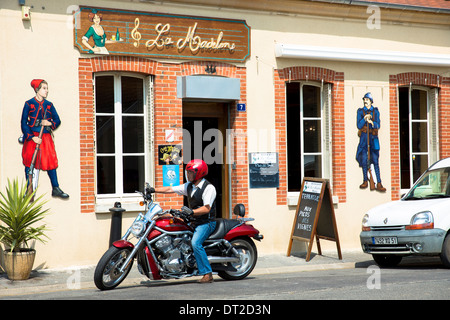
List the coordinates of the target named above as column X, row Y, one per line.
column 185, row 213
column 180, row 214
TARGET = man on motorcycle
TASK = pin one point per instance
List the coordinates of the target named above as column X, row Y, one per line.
column 201, row 195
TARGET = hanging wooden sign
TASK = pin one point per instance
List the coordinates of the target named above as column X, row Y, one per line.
column 157, row 35
column 314, row 216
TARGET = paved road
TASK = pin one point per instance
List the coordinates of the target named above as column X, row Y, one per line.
column 430, row 281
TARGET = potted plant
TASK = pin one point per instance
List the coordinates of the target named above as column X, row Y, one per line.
column 18, row 214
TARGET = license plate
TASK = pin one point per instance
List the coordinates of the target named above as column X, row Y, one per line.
column 384, row 240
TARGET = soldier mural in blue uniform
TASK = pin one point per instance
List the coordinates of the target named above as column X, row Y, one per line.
column 368, row 152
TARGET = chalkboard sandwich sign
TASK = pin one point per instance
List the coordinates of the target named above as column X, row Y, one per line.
column 314, row 216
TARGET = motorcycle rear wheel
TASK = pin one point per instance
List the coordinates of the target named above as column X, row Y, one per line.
column 248, row 254
column 107, row 275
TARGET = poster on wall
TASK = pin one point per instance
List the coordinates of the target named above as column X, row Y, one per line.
column 106, row 31
column 169, row 154
column 171, row 175
column 263, row 170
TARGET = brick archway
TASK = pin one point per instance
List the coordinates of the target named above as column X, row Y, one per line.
column 167, row 113
column 338, row 133
column 421, row 79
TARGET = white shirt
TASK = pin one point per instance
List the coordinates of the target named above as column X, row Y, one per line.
column 208, row 197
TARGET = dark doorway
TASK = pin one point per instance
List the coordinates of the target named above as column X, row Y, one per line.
column 198, row 118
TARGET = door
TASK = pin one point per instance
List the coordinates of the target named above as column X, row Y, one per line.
column 206, row 123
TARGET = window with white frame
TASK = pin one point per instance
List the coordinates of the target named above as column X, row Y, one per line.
column 419, row 138
column 308, row 132
column 122, row 139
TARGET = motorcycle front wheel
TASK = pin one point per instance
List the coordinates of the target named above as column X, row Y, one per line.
column 248, row 257
column 107, row 275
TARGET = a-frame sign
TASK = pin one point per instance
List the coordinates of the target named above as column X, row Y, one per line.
column 314, row 216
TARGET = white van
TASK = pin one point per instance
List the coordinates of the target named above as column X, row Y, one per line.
column 418, row 224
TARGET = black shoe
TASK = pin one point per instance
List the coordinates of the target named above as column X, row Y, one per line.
column 57, row 192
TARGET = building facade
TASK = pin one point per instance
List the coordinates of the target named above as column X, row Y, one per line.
column 267, row 93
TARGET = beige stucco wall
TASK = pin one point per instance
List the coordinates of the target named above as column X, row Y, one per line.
column 43, row 48
column 275, row 221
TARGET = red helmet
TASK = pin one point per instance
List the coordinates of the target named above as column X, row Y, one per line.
column 199, row 167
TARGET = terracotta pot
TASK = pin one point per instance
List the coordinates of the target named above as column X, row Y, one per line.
column 18, row 265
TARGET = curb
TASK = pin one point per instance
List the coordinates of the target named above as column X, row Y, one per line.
column 138, row 279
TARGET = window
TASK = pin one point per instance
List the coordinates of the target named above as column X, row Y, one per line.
column 433, row 184
column 308, row 132
column 121, row 134
column 418, row 132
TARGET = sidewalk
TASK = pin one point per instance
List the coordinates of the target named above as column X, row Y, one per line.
column 82, row 277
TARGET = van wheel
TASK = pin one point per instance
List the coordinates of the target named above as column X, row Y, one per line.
column 387, row 260
column 445, row 253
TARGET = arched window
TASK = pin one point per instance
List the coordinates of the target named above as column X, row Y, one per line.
column 308, row 132
column 121, row 129
column 419, row 145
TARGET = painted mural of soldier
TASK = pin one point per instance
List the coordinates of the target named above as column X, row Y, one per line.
column 38, row 150
column 368, row 152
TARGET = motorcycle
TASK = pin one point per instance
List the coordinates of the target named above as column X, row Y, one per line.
column 163, row 246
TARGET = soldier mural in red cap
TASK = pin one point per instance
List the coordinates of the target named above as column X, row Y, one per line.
column 38, row 112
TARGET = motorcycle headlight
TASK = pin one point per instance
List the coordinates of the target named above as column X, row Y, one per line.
column 137, row 228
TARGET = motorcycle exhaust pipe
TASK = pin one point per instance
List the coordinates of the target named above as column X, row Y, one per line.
column 213, row 259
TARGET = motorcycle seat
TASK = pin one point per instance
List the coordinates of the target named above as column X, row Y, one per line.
column 222, row 228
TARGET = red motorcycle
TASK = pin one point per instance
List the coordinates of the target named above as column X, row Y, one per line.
column 163, row 249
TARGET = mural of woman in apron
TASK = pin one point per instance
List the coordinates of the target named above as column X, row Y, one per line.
column 98, row 34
